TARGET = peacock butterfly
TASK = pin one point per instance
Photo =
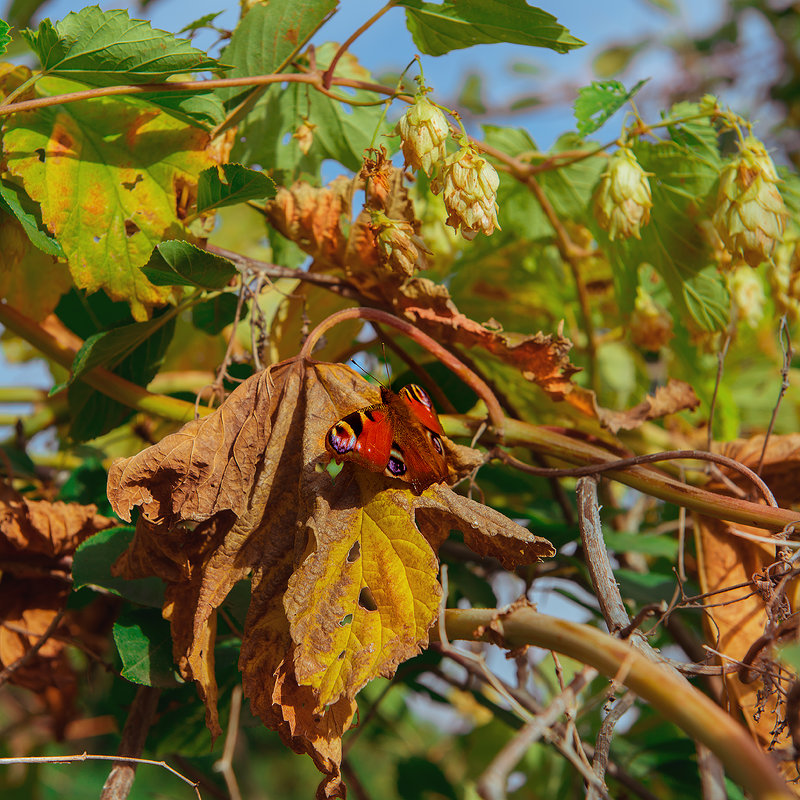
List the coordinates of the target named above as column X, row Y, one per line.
column 400, row 437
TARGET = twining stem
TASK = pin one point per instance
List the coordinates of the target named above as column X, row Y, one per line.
column 478, row 385
column 328, row 74
column 652, row 482
column 676, row 701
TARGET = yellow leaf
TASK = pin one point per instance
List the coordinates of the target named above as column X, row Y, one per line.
column 107, row 189
column 363, row 601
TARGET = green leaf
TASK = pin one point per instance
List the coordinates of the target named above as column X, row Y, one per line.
column 707, row 299
column 195, row 107
column 343, row 131
column 599, row 101
column 15, row 200
column 202, row 22
column 136, row 163
column 180, row 263
column 215, row 314
column 144, row 644
column 665, row 546
column 438, row 28
column 236, row 185
column 91, row 567
column 104, row 48
column 269, row 36
column 108, row 348
column 5, row 39
column 92, row 413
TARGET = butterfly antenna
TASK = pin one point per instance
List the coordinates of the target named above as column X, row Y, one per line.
column 386, row 364
column 365, row 371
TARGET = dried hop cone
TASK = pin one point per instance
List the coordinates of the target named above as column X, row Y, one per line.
column 650, row 324
column 403, row 251
column 469, row 189
column 622, row 200
column 423, row 132
column 750, row 215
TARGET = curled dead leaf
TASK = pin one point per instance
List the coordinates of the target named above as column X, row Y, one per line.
column 675, row 396
column 343, row 572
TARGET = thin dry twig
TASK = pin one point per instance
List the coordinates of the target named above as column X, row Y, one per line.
column 224, row 764
column 602, row 748
column 134, row 734
column 788, row 353
column 93, row 757
column 650, row 458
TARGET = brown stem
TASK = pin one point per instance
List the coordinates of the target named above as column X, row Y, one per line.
column 669, row 694
column 140, row 718
column 194, row 86
column 475, row 383
column 650, row 458
column 327, row 76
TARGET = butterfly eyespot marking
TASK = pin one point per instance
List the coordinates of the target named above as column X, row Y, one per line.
column 436, row 441
column 397, row 464
column 342, row 438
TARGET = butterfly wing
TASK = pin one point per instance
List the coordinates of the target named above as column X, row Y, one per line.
column 364, row 436
column 421, row 405
column 417, row 453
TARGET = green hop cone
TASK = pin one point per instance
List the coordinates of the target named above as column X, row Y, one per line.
column 423, row 132
column 469, row 189
column 622, row 200
column 750, row 215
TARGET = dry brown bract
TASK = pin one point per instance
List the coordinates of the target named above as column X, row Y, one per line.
column 343, row 573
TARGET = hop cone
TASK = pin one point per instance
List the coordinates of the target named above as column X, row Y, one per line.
column 750, row 216
column 748, row 295
column 402, row 250
column 469, row 189
column 622, row 201
column 423, row 132
column 784, row 278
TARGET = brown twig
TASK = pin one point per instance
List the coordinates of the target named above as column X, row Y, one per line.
column 602, row 748
column 650, row 458
column 92, row 757
column 225, row 763
column 327, row 76
column 478, row 385
column 134, row 734
column 788, row 353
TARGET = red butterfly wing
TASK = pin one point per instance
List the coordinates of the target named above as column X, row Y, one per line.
column 418, row 449
column 421, row 406
column 364, row 437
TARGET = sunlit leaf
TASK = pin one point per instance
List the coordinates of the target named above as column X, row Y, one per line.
column 599, row 101
column 180, row 263
column 438, row 28
column 235, row 184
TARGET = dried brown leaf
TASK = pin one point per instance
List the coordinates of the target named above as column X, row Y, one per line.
column 675, row 396
column 344, row 583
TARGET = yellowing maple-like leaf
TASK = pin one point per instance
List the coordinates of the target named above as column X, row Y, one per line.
column 343, row 572
column 108, row 174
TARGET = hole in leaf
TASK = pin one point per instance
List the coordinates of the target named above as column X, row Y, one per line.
column 40, row 153
column 366, row 600
column 340, row 656
column 130, row 228
column 345, row 620
column 355, row 553
column 96, row 239
column 130, row 185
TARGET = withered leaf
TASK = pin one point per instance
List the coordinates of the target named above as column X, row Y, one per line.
column 44, row 528
column 675, row 396
column 344, row 583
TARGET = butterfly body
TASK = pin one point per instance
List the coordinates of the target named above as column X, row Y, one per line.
column 400, row 437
